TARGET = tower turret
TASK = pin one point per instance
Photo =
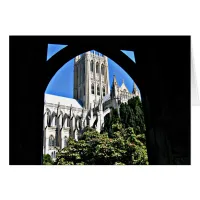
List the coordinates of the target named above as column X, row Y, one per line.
column 114, row 89
column 135, row 90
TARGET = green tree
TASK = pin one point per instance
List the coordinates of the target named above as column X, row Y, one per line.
column 47, row 160
column 123, row 146
column 111, row 119
column 122, row 142
column 131, row 115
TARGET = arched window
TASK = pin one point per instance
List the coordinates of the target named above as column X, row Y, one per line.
column 80, row 124
column 91, row 65
column 60, row 120
column 77, row 123
column 88, row 121
column 97, row 67
column 102, row 69
column 53, row 118
column 65, row 121
column 104, row 91
column 98, row 90
column 52, row 154
column 65, row 141
column 124, row 93
column 51, row 141
column 68, row 122
column 48, row 118
column 92, row 88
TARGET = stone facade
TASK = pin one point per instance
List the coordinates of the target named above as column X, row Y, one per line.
column 93, row 100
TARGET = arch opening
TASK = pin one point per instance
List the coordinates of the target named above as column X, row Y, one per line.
column 98, row 83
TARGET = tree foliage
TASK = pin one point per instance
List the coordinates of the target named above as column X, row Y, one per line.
column 131, row 115
column 47, row 159
column 109, row 120
column 123, row 147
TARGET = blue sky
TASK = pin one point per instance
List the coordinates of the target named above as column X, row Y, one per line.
column 53, row 49
column 61, row 83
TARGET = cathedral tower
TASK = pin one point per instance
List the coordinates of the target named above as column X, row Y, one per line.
column 91, row 78
column 135, row 91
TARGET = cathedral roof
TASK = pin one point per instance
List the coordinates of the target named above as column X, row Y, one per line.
column 63, row 100
column 123, row 87
column 106, row 97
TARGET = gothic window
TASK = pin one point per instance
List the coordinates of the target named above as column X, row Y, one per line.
column 98, row 90
column 97, row 67
column 84, row 90
column 48, row 121
column 68, row 122
column 60, row 120
column 76, row 123
column 48, row 118
column 65, row 121
column 65, row 141
column 92, row 88
column 53, row 117
column 104, row 91
column 124, row 93
column 52, row 154
column 88, row 122
column 91, row 65
column 102, row 69
column 79, row 123
column 51, row 141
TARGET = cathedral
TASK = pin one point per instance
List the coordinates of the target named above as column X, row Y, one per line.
column 93, row 100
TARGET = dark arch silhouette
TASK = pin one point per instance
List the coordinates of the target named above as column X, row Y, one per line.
column 70, row 52
column 162, row 72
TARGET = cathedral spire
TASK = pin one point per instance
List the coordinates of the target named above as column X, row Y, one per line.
column 114, row 87
column 114, row 80
column 58, row 109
